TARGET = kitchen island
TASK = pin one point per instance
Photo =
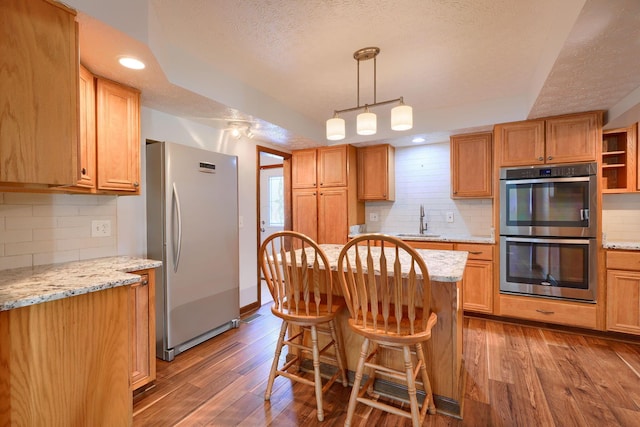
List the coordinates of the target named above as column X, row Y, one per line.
column 65, row 346
column 444, row 350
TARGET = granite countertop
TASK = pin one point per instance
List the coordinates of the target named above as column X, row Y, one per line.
column 443, row 266
column 21, row 287
column 441, row 238
column 632, row 246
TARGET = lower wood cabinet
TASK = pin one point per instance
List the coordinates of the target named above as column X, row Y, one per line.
column 142, row 329
column 477, row 282
column 623, row 292
column 440, row 246
column 546, row 310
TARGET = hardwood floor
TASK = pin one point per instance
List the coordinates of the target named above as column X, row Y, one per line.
column 516, row 376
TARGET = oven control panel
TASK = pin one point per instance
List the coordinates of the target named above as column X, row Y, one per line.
column 576, row 169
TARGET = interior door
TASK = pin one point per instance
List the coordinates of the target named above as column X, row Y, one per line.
column 271, row 201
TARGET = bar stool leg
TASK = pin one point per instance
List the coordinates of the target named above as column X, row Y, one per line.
column 353, row 399
column 317, row 381
column 276, row 358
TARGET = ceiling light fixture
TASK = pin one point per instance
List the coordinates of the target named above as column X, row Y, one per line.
column 238, row 129
column 366, row 122
column 133, row 63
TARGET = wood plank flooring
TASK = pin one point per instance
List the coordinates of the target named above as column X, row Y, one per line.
column 516, row 376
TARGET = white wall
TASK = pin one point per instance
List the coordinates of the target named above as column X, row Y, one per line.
column 423, row 177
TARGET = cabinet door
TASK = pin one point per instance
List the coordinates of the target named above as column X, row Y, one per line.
column 142, row 331
column 87, row 152
column 303, row 168
column 118, row 136
column 304, row 206
column 519, row 143
column 333, row 225
column 623, row 301
column 471, row 165
column 376, row 173
column 332, row 166
column 477, row 289
column 38, row 93
column 573, row 138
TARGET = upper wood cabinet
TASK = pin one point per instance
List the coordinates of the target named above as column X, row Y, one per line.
column 324, row 195
column 303, row 168
column 619, row 160
column 38, row 93
column 471, row 165
column 333, row 166
column 118, row 136
column 376, row 173
column 87, row 152
column 562, row 139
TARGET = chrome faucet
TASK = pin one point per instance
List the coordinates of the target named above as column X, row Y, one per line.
column 423, row 224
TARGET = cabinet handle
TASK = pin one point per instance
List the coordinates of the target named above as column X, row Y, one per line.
column 475, row 252
column 540, row 158
column 539, row 310
column 321, row 184
column 455, row 192
column 144, row 282
column 84, row 171
column 550, row 158
column 135, row 184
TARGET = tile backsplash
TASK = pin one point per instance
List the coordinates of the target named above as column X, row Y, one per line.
column 38, row 229
column 423, row 177
column 621, row 217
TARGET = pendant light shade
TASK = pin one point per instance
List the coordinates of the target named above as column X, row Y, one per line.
column 366, row 123
column 402, row 117
column 335, row 129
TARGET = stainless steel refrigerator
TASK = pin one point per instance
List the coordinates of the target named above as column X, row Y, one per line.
column 192, row 226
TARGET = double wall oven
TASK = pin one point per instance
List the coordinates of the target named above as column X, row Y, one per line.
column 548, row 229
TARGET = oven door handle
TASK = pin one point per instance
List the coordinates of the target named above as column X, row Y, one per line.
column 553, row 240
column 548, row 180
column 584, row 214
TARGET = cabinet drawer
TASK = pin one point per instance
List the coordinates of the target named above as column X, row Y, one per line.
column 623, row 260
column 476, row 251
column 543, row 310
column 440, row 246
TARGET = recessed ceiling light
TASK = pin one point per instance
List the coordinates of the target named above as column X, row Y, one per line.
column 418, row 140
column 133, row 63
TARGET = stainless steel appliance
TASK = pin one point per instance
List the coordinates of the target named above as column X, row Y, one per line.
column 548, row 229
column 192, row 226
column 549, row 200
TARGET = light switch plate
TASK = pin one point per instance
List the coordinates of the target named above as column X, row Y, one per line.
column 449, row 216
column 373, row 216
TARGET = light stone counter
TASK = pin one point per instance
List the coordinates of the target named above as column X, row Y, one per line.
column 443, row 266
column 440, row 238
column 20, row 287
column 631, row 246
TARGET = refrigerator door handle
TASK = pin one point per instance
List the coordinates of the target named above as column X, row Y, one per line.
column 176, row 253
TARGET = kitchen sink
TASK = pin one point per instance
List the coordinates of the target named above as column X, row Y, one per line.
column 401, row 235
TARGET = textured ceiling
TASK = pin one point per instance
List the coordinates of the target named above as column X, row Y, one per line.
column 287, row 65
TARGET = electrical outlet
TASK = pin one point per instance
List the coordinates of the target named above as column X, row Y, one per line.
column 449, row 216
column 373, row 217
column 100, row 228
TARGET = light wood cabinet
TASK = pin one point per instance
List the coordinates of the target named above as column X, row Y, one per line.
column 568, row 313
column 118, row 136
column 66, row 362
column 303, row 169
column 38, row 93
column 619, row 160
column 623, row 292
column 142, row 329
column 325, row 210
column 304, row 206
column 561, row 139
column 376, row 173
column 477, row 282
column 87, row 152
column 471, row 165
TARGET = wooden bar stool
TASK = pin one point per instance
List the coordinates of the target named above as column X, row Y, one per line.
column 387, row 291
column 298, row 276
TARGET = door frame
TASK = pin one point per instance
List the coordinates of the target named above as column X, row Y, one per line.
column 286, row 173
